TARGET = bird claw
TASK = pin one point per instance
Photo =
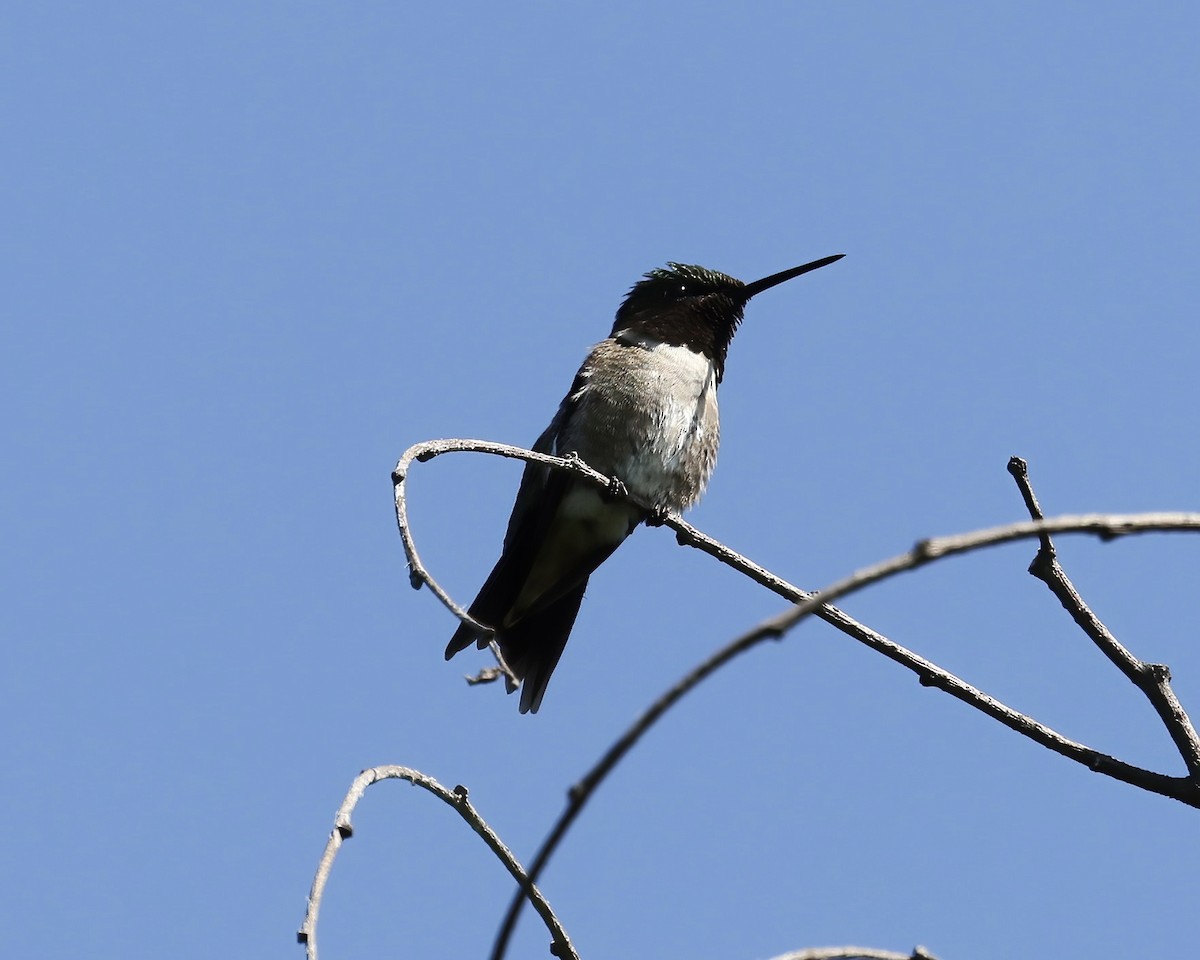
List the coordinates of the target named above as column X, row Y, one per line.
column 657, row 516
column 616, row 488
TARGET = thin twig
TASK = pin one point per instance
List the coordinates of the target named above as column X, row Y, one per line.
column 456, row 798
column 1152, row 679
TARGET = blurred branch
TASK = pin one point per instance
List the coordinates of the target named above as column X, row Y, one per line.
column 456, row 798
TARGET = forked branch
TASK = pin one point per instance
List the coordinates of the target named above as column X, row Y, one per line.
column 1152, row 679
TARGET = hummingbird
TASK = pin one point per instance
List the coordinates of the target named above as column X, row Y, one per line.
column 642, row 410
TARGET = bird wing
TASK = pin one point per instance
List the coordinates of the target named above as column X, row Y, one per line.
column 538, row 498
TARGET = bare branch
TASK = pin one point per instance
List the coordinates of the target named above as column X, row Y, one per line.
column 1184, row 789
column 855, row 953
column 1152, row 679
column 929, row 674
column 456, row 798
column 1106, row 526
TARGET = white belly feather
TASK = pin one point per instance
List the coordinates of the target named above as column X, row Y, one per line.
column 647, row 413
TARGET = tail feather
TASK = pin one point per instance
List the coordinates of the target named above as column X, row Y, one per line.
column 495, row 598
column 463, row 637
column 533, row 645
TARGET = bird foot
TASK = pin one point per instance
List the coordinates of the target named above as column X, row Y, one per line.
column 657, row 516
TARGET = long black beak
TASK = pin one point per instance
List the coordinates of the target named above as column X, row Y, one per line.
column 758, row 286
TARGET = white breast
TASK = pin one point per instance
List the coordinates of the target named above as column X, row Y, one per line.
column 648, row 414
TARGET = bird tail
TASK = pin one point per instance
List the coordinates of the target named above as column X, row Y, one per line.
column 463, row 637
column 495, row 599
column 533, row 645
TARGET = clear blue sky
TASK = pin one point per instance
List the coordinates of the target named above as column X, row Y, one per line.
column 254, row 250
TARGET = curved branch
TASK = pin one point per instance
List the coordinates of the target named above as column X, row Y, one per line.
column 456, row 798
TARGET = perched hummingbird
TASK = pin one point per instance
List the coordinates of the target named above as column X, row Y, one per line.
column 643, row 410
